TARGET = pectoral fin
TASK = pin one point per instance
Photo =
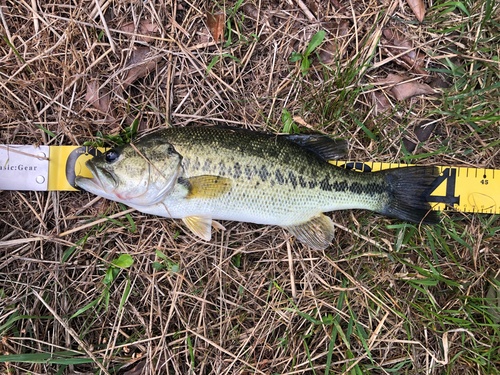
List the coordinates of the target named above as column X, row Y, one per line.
column 207, row 186
column 199, row 225
column 317, row 233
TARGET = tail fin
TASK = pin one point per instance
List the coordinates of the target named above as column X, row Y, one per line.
column 406, row 194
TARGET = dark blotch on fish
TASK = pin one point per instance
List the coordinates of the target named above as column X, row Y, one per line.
column 206, row 165
column 237, row 170
column 292, row 179
column 196, row 164
column 263, row 173
column 248, row 172
column 302, row 182
column 279, row 177
column 222, row 168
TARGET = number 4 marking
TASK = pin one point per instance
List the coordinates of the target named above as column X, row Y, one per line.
column 450, row 175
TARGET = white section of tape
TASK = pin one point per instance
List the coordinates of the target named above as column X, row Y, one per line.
column 24, row 167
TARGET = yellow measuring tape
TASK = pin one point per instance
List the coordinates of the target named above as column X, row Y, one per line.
column 30, row 168
column 460, row 188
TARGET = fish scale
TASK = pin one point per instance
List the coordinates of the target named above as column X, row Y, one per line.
column 230, row 174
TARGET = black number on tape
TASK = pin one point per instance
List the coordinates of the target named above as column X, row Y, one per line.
column 450, row 176
column 362, row 167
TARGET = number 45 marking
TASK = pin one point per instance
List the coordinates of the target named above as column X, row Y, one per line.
column 450, row 176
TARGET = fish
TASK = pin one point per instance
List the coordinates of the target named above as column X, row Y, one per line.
column 203, row 174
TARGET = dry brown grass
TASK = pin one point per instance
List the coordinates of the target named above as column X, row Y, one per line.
column 251, row 300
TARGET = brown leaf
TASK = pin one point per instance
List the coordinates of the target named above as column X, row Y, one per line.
column 422, row 131
column 145, row 28
column 215, row 23
column 380, row 102
column 137, row 370
column 251, row 10
column 141, row 64
column 314, row 6
column 100, row 99
column 337, row 5
column 394, row 45
column 299, row 120
column 418, row 8
column 328, row 51
column 3, row 4
column 438, row 83
column 406, row 90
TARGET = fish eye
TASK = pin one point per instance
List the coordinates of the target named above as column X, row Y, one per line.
column 111, row 156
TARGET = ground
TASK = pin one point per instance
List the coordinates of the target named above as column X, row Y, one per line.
column 140, row 294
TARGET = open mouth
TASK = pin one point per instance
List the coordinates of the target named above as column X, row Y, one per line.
column 95, row 184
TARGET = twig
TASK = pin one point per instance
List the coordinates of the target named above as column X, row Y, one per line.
column 97, row 222
column 4, row 22
column 111, row 43
column 292, row 276
column 36, row 22
column 306, row 11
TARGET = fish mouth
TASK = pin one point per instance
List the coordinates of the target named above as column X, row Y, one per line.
column 95, row 184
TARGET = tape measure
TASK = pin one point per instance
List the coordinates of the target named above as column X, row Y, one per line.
column 456, row 188
column 54, row 168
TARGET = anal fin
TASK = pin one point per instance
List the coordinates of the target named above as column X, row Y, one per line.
column 317, row 233
column 200, row 226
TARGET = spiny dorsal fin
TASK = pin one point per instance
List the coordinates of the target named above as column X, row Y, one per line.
column 207, row 186
column 321, row 145
column 317, row 233
column 200, row 226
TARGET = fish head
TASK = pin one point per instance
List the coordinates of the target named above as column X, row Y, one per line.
column 137, row 175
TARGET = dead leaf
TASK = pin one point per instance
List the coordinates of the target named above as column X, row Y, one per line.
column 137, row 370
column 337, row 5
column 299, row 120
column 99, row 99
column 422, row 131
column 418, row 8
column 314, row 6
column 438, row 83
column 406, row 90
column 145, row 28
column 215, row 23
column 251, row 10
column 3, row 4
column 394, row 45
column 381, row 103
column 204, row 36
column 141, row 63
column 328, row 51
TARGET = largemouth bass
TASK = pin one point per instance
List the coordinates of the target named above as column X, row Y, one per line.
column 201, row 174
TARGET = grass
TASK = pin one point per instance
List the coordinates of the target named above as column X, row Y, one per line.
column 139, row 294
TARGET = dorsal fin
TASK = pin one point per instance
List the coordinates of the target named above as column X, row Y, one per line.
column 321, row 145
